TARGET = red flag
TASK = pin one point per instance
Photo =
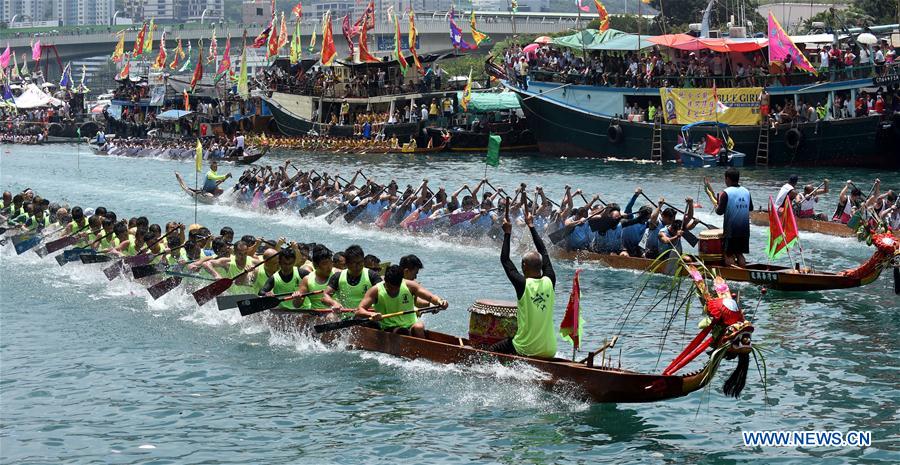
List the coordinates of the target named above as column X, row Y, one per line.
column 198, row 71
column 571, row 325
column 367, row 18
column 776, row 233
column 328, row 50
column 263, row 38
column 713, row 144
column 789, row 222
column 364, row 55
column 298, row 10
column 348, row 33
column 139, row 42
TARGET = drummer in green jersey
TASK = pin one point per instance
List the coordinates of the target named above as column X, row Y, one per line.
column 287, row 279
column 535, row 297
column 347, row 288
column 396, row 294
column 316, row 281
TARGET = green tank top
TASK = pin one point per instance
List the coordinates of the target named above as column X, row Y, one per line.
column 536, row 335
column 283, row 287
column 350, row 296
column 404, row 301
column 312, row 285
column 234, row 270
column 261, row 278
column 109, row 242
column 172, row 259
column 130, row 251
column 37, row 224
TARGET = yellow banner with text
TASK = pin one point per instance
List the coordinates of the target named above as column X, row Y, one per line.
column 734, row 106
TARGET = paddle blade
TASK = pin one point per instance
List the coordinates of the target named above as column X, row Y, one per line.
column 251, row 306
column 163, row 287
column 457, row 218
column 142, row 271
column 26, row 243
column 420, row 224
column 308, row 209
column 337, row 212
column 690, row 238
column 113, row 271
column 208, row 293
column 560, row 234
column 227, row 302
column 324, row 328
column 53, row 246
column 382, row 220
column 95, row 258
column 138, row 260
column 61, row 259
column 350, row 216
column 41, row 251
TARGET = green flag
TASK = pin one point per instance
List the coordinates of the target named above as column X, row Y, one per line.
column 242, row 84
column 493, row 151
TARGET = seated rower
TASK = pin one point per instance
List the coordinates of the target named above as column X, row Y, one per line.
column 808, row 200
column 213, row 179
column 847, row 204
column 535, row 297
column 316, row 281
column 286, row 280
column 396, row 294
column 242, row 259
column 347, row 288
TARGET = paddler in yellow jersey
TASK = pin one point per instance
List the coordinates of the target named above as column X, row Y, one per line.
column 316, row 281
column 287, row 279
column 396, row 294
column 535, row 296
column 213, row 179
column 347, row 288
column 234, row 265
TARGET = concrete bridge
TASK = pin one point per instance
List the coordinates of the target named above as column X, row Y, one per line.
column 433, row 33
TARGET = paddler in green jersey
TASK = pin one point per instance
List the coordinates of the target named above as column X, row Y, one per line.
column 287, row 279
column 396, row 294
column 15, row 207
column 112, row 240
column 131, row 246
column 37, row 221
column 234, row 265
column 316, row 281
column 92, row 234
column 6, row 201
column 78, row 221
column 347, row 288
column 263, row 273
column 535, row 297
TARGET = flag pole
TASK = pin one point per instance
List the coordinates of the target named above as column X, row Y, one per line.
column 196, row 178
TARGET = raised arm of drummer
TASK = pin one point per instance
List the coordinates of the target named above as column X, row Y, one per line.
column 689, row 222
column 546, row 265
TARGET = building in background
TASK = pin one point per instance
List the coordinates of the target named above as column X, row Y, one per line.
column 205, row 10
column 256, row 12
column 84, row 12
column 23, row 11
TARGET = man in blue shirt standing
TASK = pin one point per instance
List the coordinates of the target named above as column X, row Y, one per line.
column 735, row 204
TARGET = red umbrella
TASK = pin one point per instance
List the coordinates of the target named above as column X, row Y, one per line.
column 543, row 40
column 530, row 49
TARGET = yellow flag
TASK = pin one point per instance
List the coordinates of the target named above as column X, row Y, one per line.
column 199, row 157
column 148, row 43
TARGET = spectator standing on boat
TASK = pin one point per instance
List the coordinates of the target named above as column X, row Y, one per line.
column 438, row 76
column 535, row 296
column 878, row 59
column 735, row 204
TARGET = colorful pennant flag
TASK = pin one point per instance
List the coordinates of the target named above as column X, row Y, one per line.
column 198, row 157
column 477, row 36
column 139, row 41
column 413, row 38
column 14, row 70
column 25, row 71
column 177, row 55
column 456, row 36
column 364, row 55
column 312, row 40
column 66, row 79
column 224, row 65
column 198, row 70
column 581, row 7
column 243, row 88
column 328, row 50
column 119, row 51
column 789, row 223
column 296, row 47
column 572, row 324
column 186, row 100
column 187, row 59
column 282, row 34
column 213, row 48
column 602, row 14
column 775, row 244
column 4, row 57
column 126, row 70
column 398, row 50
column 148, row 43
column 493, row 150
column 161, row 57
column 298, row 10
column 467, row 93
column 348, row 32
column 36, row 51
column 781, row 46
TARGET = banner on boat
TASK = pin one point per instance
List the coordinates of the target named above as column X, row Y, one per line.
column 740, row 106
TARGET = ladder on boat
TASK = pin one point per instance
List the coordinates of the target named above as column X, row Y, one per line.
column 656, row 145
column 762, row 145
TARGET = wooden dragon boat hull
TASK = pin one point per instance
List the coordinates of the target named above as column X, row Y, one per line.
column 202, row 197
column 600, row 384
column 773, row 277
column 249, row 157
column 761, row 218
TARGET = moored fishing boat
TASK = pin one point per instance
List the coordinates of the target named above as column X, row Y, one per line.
column 831, row 228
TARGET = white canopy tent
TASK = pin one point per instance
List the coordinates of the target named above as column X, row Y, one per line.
column 34, row 97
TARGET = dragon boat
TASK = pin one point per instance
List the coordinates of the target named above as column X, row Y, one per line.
column 594, row 378
column 199, row 194
column 886, row 254
column 250, row 155
column 831, row 228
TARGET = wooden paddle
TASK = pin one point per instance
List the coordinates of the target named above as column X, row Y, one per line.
column 205, row 294
column 95, row 258
column 114, row 270
column 260, row 304
column 163, row 287
column 64, row 242
column 226, row 302
column 144, row 270
column 562, row 233
column 363, row 321
column 687, row 235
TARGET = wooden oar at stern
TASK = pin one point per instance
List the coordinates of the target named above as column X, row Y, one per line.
column 323, row 328
column 205, row 294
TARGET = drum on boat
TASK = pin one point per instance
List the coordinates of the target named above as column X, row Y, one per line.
column 711, row 246
column 491, row 321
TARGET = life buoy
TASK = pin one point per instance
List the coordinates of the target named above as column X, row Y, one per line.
column 89, row 129
column 792, row 138
column 614, row 133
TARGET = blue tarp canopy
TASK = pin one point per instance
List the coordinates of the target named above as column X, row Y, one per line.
column 687, row 127
column 610, row 39
column 172, row 115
